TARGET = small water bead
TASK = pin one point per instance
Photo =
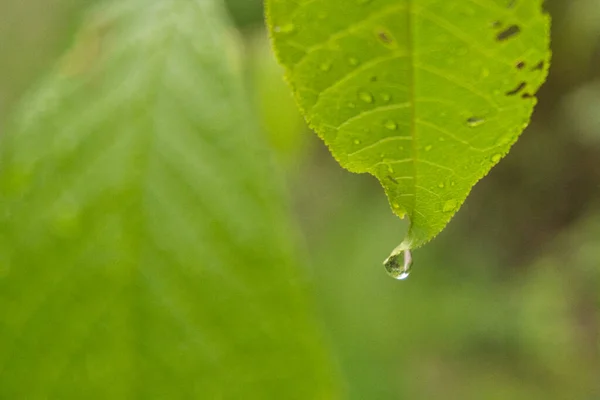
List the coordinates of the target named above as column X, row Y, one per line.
column 399, row 264
column 475, row 121
column 386, row 97
column 390, row 169
column 356, row 141
column 450, row 205
column 325, row 67
column 441, row 185
column 391, row 125
column 353, row 61
column 496, row 157
column 351, row 105
column 428, row 147
column 504, row 140
column 366, row 97
column 287, row 28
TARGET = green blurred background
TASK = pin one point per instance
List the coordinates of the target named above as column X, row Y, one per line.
column 504, row 304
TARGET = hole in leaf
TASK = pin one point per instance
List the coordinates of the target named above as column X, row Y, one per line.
column 509, row 32
column 516, row 90
column 539, row 66
column 521, row 65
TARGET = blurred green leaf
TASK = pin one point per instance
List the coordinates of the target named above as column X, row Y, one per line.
column 425, row 95
column 32, row 34
column 277, row 109
column 246, row 12
column 144, row 247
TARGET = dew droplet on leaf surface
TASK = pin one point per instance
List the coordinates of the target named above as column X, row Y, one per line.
column 450, row 205
column 287, row 28
column 391, row 125
column 475, row 121
column 366, row 97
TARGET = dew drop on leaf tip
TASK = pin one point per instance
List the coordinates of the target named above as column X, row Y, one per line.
column 399, row 264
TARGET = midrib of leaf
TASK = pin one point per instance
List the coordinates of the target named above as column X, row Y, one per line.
column 413, row 112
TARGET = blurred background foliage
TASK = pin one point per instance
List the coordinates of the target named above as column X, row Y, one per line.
column 504, row 304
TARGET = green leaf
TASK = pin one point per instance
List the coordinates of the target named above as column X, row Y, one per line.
column 426, row 95
column 145, row 251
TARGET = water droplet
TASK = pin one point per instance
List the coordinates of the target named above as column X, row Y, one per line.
column 351, row 105
column 396, row 205
column 366, row 97
column 428, row 147
column 325, row 67
column 287, row 28
column 356, row 141
column 390, row 169
column 441, row 185
column 453, row 183
column 504, row 140
column 485, row 72
column 475, row 121
column 385, row 97
column 391, row 125
column 398, row 265
column 450, row 205
column 353, row 61
column 496, row 157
